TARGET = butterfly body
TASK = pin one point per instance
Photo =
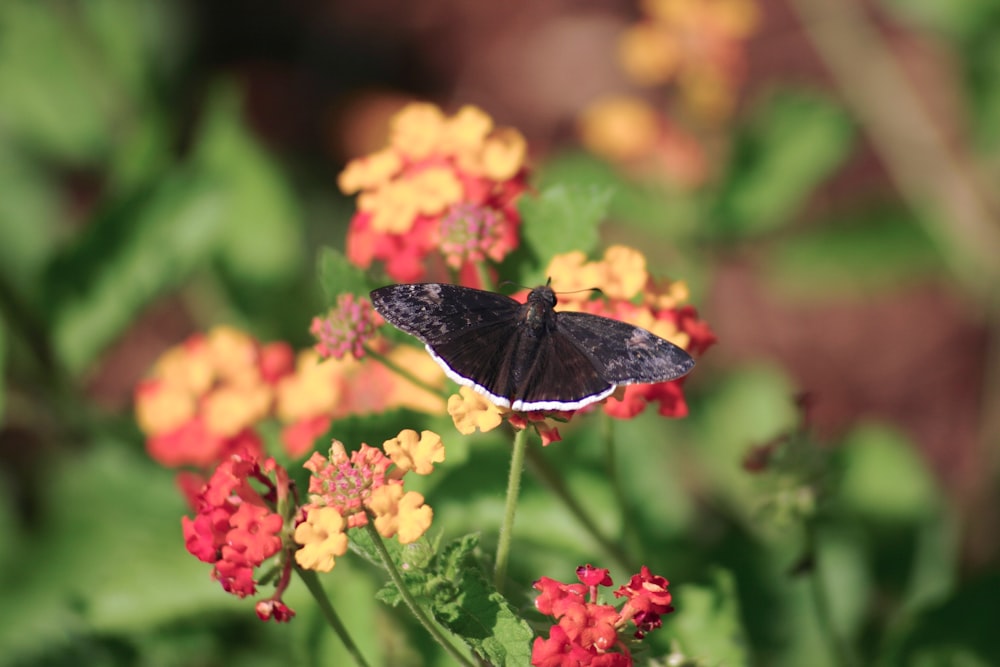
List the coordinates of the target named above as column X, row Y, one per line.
column 528, row 356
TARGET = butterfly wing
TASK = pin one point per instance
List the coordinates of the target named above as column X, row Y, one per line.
column 557, row 375
column 438, row 312
column 622, row 353
column 470, row 333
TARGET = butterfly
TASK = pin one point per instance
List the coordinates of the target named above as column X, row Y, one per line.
column 528, row 357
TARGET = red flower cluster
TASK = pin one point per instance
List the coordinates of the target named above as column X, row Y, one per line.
column 589, row 633
column 236, row 527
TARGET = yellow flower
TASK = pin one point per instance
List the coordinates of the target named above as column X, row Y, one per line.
column 649, row 53
column 369, row 171
column 313, row 389
column 234, row 355
column 625, row 272
column 416, row 130
column 399, row 513
column 393, row 206
column 465, row 131
column 435, row 189
column 323, row 538
column 620, row 128
column 572, row 275
column 417, row 453
column 229, row 410
column 470, row 411
column 503, row 154
column 161, row 407
column 187, row 367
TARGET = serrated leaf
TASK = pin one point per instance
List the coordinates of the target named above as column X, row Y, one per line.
column 463, row 600
column 563, row 218
column 338, row 276
column 706, row 624
column 790, row 147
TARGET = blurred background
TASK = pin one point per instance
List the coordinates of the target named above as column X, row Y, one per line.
column 823, row 175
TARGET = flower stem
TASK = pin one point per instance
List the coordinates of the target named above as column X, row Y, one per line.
column 554, row 481
column 311, row 581
column 418, row 612
column 402, row 372
column 513, row 490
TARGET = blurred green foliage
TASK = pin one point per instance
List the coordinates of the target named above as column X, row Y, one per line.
column 93, row 564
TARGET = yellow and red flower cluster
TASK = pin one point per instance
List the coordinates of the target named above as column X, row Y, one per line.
column 206, row 397
column 349, row 491
column 699, row 44
column 590, row 633
column 441, row 193
column 631, row 295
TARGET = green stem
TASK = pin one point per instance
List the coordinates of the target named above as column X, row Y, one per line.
column 418, row 612
column 311, row 581
column 484, row 276
column 510, row 508
column 614, row 550
column 821, row 600
column 402, row 372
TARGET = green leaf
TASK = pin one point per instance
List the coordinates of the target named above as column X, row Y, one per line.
column 884, row 477
column 792, row 145
column 3, row 368
column 338, row 276
column 96, row 563
column 706, row 624
column 464, row 601
column 47, row 69
column 959, row 631
column 127, row 258
column 563, row 218
column 872, row 250
column 262, row 227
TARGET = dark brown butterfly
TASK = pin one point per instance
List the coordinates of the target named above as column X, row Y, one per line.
column 528, row 356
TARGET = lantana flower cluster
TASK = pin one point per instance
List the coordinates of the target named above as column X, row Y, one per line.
column 441, row 194
column 698, row 46
column 631, row 294
column 205, row 397
column 238, row 526
column 348, row 491
column 588, row 632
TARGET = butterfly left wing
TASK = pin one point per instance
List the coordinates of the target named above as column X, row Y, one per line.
column 624, row 354
column 437, row 312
